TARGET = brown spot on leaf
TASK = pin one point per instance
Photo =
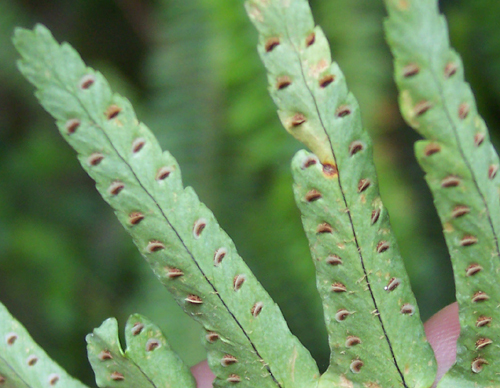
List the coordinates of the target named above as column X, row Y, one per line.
column 135, row 218
column 483, row 342
column 341, row 315
column 463, row 111
column 421, row 108
column 479, row 138
column 155, row 246
column 163, row 173
column 138, row 144
column 113, row 111
column 137, row 328
column 338, row 287
column 11, row 338
column 356, row 366
column 257, row 308
column 219, row 255
column 492, row 171
column 72, row 125
column 483, row 321
column 459, row 211
column 450, row 69
column 382, row 246
column 234, row 378
column 363, row 184
column 326, row 80
column 105, row 355
column 477, row 364
column 174, row 273
column 283, row 82
column 271, row 44
column 450, row 181
column 309, row 162
column 408, row 309
column 330, row 170
column 310, row 39
column 238, row 281
column 325, row 227
column 343, row 111
column 352, row 341
column 393, row 284
column 468, row 241
column 95, row 159
column 355, row 147
column 194, row 299
column 117, row 376
column 473, row 269
column 198, row 227
column 375, row 216
column 298, row 119
column 53, row 379
column 431, row 149
column 152, row 344
column 87, row 81
column 212, row 336
column 480, row 296
column 228, row 359
column 32, row 360
column 333, row 260
column 411, row 70
column 313, row 195
column 116, row 187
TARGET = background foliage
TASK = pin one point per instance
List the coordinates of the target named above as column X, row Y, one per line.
column 193, row 74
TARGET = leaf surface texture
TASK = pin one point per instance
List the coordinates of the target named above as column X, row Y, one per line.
column 175, row 232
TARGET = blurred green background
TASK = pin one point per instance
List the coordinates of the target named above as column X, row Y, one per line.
column 191, row 69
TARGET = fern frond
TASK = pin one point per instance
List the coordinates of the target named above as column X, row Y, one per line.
column 148, row 360
column 246, row 336
column 371, row 314
column 461, row 171
column 23, row 364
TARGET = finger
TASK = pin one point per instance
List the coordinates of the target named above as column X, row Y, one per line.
column 442, row 331
column 203, row 374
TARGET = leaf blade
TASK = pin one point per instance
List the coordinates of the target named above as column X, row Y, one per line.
column 147, row 353
column 460, row 166
column 23, row 363
column 177, row 235
column 315, row 106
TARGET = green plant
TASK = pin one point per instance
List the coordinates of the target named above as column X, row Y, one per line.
column 372, row 318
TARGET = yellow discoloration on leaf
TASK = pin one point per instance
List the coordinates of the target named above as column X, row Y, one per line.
column 309, row 134
column 318, row 68
column 293, row 360
column 255, row 13
column 345, row 383
column 407, row 104
column 404, row 5
column 372, row 385
column 448, row 228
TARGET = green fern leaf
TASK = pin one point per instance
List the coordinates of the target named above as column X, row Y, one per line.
column 23, row 364
column 246, row 336
column 461, row 171
column 147, row 353
column 371, row 315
